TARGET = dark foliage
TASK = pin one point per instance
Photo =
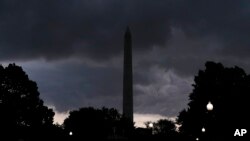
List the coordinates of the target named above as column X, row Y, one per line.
column 228, row 90
column 164, row 128
column 104, row 124
column 23, row 115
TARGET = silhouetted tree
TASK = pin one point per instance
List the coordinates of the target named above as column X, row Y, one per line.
column 90, row 123
column 148, row 124
column 228, row 90
column 164, row 128
column 22, row 113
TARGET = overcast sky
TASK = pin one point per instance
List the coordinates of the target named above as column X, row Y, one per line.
column 73, row 49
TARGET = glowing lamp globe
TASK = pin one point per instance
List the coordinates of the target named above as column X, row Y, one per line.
column 210, row 106
column 203, row 130
column 151, row 125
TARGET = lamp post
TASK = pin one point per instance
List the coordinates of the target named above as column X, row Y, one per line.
column 70, row 137
column 151, row 125
column 210, row 108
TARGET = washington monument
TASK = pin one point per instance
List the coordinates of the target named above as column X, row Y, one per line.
column 128, row 77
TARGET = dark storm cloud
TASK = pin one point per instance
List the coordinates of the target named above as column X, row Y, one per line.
column 70, row 85
column 89, row 29
column 225, row 20
column 166, row 94
column 93, row 30
column 171, row 38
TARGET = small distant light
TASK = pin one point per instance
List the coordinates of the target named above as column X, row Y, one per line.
column 151, row 125
column 197, row 139
column 210, row 106
column 203, row 129
column 70, row 133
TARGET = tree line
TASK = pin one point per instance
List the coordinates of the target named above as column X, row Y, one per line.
column 23, row 115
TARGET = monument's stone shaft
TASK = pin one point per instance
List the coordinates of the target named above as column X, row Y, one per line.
column 128, row 76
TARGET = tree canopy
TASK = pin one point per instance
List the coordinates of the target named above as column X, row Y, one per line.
column 164, row 127
column 91, row 123
column 227, row 89
column 23, row 114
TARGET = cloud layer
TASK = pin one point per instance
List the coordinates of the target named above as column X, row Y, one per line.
column 74, row 49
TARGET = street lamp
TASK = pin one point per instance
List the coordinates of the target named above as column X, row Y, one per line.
column 150, row 125
column 203, row 130
column 210, row 106
column 70, row 133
